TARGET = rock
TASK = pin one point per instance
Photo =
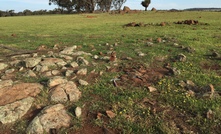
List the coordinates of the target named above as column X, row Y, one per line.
column 189, row 49
column 81, row 53
column 181, row 57
column 31, row 62
column 126, row 9
column 78, row 112
column 159, row 40
column 52, row 62
column 17, row 92
column 74, row 64
column 162, row 24
column 3, row 66
column 81, row 60
column 65, row 92
column 9, row 71
column 82, row 71
column 56, row 81
column 68, row 50
column 141, row 54
column 110, row 114
column 153, row 9
column 96, row 57
column 152, row 89
column 68, row 73
column 83, row 83
column 5, row 83
column 51, row 117
column 209, row 114
column 66, row 57
column 11, row 112
column 29, row 73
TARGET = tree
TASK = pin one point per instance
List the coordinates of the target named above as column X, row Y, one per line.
column 118, row 4
column 68, row 4
column 145, row 4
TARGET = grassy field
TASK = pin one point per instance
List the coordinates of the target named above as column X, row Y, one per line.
column 168, row 110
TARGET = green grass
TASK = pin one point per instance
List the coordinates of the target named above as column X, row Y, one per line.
column 176, row 112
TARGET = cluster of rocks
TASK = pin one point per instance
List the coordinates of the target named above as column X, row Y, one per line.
column 60, row 72
column 188, row 22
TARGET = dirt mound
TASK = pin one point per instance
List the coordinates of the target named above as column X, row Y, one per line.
column 188, row 22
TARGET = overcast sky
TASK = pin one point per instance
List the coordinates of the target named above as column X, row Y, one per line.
column 20, row 5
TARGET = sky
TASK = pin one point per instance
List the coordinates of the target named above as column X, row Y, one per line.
column 21, row 5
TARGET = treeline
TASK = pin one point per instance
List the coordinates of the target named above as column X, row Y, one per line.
column 28, row 12
column 88, row 5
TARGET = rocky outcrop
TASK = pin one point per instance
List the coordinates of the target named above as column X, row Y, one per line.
column 51, row 117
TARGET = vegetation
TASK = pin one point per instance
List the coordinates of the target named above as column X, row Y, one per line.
column 168, row 110
column 145, row 4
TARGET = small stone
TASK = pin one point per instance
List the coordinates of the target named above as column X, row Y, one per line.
column 68, row 50
column 31, row 62
column 3, row 66
column 78, row 112
column 149, row 44
column 68, row 73
column 81, row 60
column 181, row 57
column 152, row 89
column 159, row 40
column 141, row 54
column 74, row 64
column 30, row 73
column 110, row 114
column 175, row 44
column 82, row 71
column 56, row 81
column 96, row 57
column 83, row 83
column 81, row 53
column 9, row 71
column 21, row 69
column 209, row 114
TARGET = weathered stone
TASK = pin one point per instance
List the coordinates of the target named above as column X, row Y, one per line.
column 81, row 53
column 56, row 81
column 3, row 66
column 9, row 71
column 30, row 73
column 66, row 57
column 78, row 112
column 50, row 117
column 74, row 64
column 5, row 83
column 14, row 111
column 16, row 92
column 81, row 60
column 52, row 62
column 83, row 83
column 96, row 57
column 126, row 9
column 82, row 71
column 68, row 50
column 181, row 57
column 68, row 73
column 66, row 91
column 31, row 62
column 152, row 89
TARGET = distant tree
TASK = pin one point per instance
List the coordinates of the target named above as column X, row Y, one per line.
column 118, row 4
column 68, row 4
column 145, row 4
column 27, row 12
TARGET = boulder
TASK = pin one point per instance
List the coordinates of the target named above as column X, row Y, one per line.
column 17, row 92
column 126, row 9
column 51, row 117
column 57, row 80
column 14, row 111
column 65, row 92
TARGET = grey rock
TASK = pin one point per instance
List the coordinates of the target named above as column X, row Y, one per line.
column 82, row 71
column 68, row 50
column 83, row 83
column 31, row 62
column 74, row 64
column 11, row 112
column 30, row 73
column 81, row 60
column 68, row 73
column 9, row 71
column 181, row 57
column 3, row 66
column 5, row 83
column 56, row 81
column 78, row 53
column 50, row 117
column 52, row 62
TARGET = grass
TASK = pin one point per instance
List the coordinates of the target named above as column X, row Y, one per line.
column 174, row 111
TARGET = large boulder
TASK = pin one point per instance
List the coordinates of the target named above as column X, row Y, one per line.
column 11, row 112
column 126, row 9
column 51, row 117
column 65, row 92
column 17, row 92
